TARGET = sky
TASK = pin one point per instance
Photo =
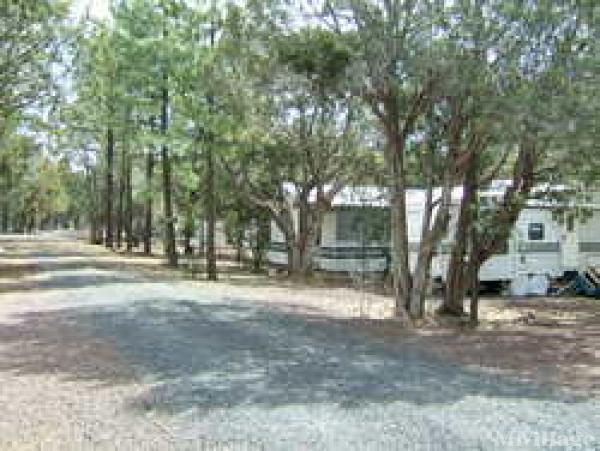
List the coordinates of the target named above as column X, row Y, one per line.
column 98, row 8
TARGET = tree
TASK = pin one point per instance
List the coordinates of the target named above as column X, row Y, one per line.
column 98, row 107
column 203, row 116
column 124, row 69
column 309, row 146
column 531, row 86
column 396, row 58
column 31, row 34
column 444, row 74
column 40, row 191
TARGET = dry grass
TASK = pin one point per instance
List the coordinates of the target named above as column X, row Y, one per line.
column 548, row 340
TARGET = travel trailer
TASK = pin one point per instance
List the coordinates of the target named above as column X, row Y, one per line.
column 543, row 246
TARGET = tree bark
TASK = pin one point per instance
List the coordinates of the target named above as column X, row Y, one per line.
column 456, row 271
column 465, row 157
column 31, row 222
column 505, row 216
column 129, row 203
column 474, row 266
column 397, row 127
column 299, row 261
column 97, row 228
column 6, row 201
column 211, row 204
column 427, row 246
column 473, row 271
column 302, row 241
column 201, row 237
column 188, row 232
column 432, row 231
column 260, row 241
column 498, row 225
column 239, row 243
column 110, row 149
column 211, row 214
column 457, row 274
column 501, row 221
column 121, row 206
column 148, row 209
column 399, row 230
column 170, row 249
column 92, row 207
column 91, row 188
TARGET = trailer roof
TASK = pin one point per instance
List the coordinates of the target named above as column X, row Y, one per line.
column 377, row 196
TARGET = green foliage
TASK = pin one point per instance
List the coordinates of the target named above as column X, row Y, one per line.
column 319, row 55
column 38, row 189
column 31, row 34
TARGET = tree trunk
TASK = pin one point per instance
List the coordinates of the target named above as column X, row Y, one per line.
column 201, row 237
column 188, row 232
column 96, row 202
column 259, row 245
column 92, row 208
column 432, row 231
column 455, row 275
column 401, row 272
column 5, row 215
column 91, row 188
column 302, row 241
column 239, row 244
column 148, row 212
column 421, row 276
column 474, row 265
column 473, row 270
column 419, row 289
column 170, row 249
column 110, row 149
column 457, row 281
column 211, row 201
column 299, row 261
column 211, row 214
column 460, row 268
column 129, row 204
column 503, row 219
column 31, row 222
column 6, row 201
column 121, row 206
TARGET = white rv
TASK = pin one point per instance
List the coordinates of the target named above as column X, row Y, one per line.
column 544, row 245
column 355, row 238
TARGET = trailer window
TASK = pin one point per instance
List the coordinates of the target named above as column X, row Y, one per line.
column 363, row 225
column 535, row 231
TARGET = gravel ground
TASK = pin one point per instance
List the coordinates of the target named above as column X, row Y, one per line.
column 97, row 358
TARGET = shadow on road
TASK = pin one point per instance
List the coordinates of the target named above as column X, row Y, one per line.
column 41, row 269
column 69, row 280
column 219, row 355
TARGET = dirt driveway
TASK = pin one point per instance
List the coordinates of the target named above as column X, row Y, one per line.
column 97, row 352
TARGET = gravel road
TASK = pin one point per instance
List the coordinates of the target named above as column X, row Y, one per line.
column 93, row 357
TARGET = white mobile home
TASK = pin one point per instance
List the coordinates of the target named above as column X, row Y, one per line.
column 355, row 238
